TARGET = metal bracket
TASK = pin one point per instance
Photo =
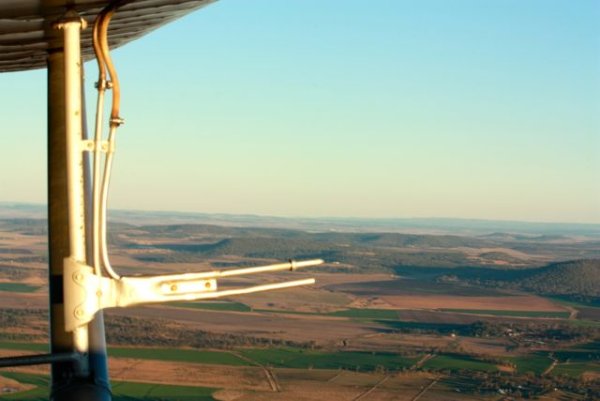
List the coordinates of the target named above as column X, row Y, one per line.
column 87, row 293
column 89, row 145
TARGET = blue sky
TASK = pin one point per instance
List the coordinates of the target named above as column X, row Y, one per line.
column 472, row 109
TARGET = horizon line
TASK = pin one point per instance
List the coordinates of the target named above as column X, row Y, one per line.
column 255, row 215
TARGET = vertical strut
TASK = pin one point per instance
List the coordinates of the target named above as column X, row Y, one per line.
column 75, row 379
column 75, row 179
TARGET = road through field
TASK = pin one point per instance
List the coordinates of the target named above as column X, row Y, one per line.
column 369, row 391
column 422, row 392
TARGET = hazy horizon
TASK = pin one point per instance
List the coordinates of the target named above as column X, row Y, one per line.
column 118, row 213
column 383, row 109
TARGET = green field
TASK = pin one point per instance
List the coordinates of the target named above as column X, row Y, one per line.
column 278, row 357
column 217, row 306
column 122, row 391
column 37, row 347
column 575, row 369
column 570, row 301
column 381, row 314
column 456, row 362
column 534, row 314
column 17, row 287
column 388, row 314
column 162, row 354
column 367, row 313
column 428, row 327
column 305, row 359
column 178, row 355
column 126, row 391
column 580, row 353
column 535, row 363
column 583, row 323
column 39, row 393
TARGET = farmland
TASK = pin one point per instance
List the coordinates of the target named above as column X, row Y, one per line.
column 122, row 391
column 381, row 323
column 17, row 287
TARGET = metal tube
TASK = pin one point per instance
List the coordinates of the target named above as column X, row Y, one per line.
column 58, row 220
column 98, row 359
column 104, row 203
column 249, row 290
column 71, row 379
column 291, row 265
column 73, row 127
column 27, row 360
column 75, row 171
column 96, row 191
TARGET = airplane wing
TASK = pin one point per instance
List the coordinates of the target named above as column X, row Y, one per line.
column 26, row 33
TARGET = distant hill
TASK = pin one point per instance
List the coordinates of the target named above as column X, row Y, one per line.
column 496, row 229
column 580, row 278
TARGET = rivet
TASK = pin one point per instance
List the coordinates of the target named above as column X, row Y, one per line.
column 79, row 312
column 207, row 284
column 174, row 287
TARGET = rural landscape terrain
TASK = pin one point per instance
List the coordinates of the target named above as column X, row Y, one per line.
column 402, row 310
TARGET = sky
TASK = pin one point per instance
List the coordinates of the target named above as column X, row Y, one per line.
column 382, row 108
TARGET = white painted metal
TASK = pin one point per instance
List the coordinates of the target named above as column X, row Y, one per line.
column 96, row 177
column 86, row 290
column 87, row 293
column 71, row 26
column 102, row 233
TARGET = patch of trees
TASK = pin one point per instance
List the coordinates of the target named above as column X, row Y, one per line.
column 25, row 226
column 128, row 331
column 527, row 386
column 577, row 280
column 35, row 321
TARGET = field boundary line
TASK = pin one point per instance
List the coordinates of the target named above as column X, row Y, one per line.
column 273, row 383
column 336, row 376
column 422, row 361
column 272, row 379
column 572, row 312
column 245, row 358
column 373, row 388
column 126, row 369
column 551, row 367
column 424, row 390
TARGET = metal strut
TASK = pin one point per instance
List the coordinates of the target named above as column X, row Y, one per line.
column 87, row 289
column 89, row 282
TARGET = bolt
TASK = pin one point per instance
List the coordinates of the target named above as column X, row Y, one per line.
column 78, row 277
column 98, row 293
column 207, row 284
column 174, row 287
column 79, row 312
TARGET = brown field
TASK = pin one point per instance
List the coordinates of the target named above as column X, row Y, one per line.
column 512, row 303
column 20, row 241
column 440, row 317
column 37, row 300
column 589, row 313
column 12, row 386
column 396, row 341
column 189, row 374
column 306, row 299
column 299, row 328
column 590, row 375
column 485, row 346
